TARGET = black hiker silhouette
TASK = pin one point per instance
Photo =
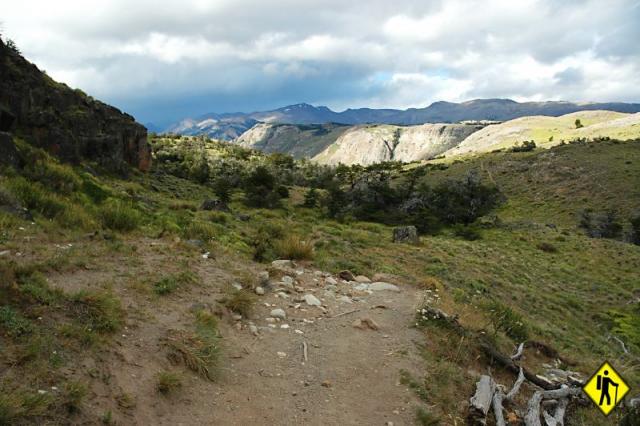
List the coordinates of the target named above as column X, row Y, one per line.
column 602, row 384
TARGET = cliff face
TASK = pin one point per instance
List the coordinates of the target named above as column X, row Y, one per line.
column 66, row 122
column 298, row 140
column 373, row 144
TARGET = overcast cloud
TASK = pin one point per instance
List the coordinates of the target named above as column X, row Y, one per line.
column 165, row 60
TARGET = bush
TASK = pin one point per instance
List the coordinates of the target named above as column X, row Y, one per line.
column 222, row 187
column 99, row 311
column 601, row 225
column 171, row 283
column 239, row 301
column 505, row 319
column 547, row 247
column 119, row 216
column 463, row 201
column 261, row 189
column 311, row 198
column 200, row 230
column 35, row 197
column 467, row 232
column 14, row 324
column 167, row 382
column 262, row 241
column 525, row 146
column 635, row 230
column 294, row 248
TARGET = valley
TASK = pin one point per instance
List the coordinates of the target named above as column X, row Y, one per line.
column 313, row 273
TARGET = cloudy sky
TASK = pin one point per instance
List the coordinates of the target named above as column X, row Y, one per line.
column 166, row 60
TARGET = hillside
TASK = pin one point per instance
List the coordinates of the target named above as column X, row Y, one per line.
column 299, row 141
column 136, row 303
column 550, row 131
column 378, row 143
column 223, row 126
column 67, row 122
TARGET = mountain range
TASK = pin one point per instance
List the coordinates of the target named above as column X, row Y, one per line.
column 228, row 126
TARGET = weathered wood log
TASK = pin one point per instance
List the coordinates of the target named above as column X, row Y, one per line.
column 508, row 363
column 498, row 397
column 516, row 386
column 516, row 356
column 480, row 402
column 532, row 418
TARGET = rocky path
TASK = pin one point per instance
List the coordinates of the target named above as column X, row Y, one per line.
column 356, row 342
column 357, row 334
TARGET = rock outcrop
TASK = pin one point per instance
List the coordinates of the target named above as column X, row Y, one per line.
column 377, row 143
column 298, row 140
column 67, row 122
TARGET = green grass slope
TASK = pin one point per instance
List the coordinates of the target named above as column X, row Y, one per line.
column 550, row 131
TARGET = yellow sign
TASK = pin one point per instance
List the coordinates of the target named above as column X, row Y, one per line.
column 606, row 388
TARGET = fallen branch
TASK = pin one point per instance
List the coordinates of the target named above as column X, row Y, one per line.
column 516, row 356
column 304, row 351
column 345, row 313
column 516, row 386
column 480, row 402
column 508, row 364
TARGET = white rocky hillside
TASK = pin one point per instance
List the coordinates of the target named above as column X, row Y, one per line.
column 549, row 131
column 377, row 143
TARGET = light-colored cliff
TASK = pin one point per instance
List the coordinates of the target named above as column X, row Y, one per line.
column 377, row 143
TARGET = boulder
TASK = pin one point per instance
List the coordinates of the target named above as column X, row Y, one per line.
column 347, row 276
column 405, row 234
column 278, row 313
column 362, row 279
column 382, row 286
column 311, row 300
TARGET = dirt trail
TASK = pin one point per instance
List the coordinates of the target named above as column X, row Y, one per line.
column 351, row 376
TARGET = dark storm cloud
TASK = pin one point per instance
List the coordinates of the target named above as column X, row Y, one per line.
column 166, row 60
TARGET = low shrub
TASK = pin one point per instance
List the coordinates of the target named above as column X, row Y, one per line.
column 506, row 320
column 119, row 216
column 168, row 382
column 97, row 311
column 294, row 248
column 239, row 301
column 171, row 283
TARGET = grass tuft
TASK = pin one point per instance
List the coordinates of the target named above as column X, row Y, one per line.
column 294, row 248
column 168, row 382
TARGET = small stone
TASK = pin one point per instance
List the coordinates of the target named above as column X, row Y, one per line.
column 259, row 291
column 381, row 286
column 281, row 354
column 287, row 281
column 362, row 279
column 270, row 320
column 311, row 300
column 284, row 326
column 282, row 264
column 361, row 287
column 278, row 313
column 298, row 331
column 326, row 384
column 299, row 271
column 347, row 275
column 365, row 323
column 236, row 317
column 237, row 286
column 5, row 253
column 253, row 329
column 345, row 299
column 330, row 281
column 263, row 277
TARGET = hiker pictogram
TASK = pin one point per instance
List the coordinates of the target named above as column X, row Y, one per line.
column 606, row 388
